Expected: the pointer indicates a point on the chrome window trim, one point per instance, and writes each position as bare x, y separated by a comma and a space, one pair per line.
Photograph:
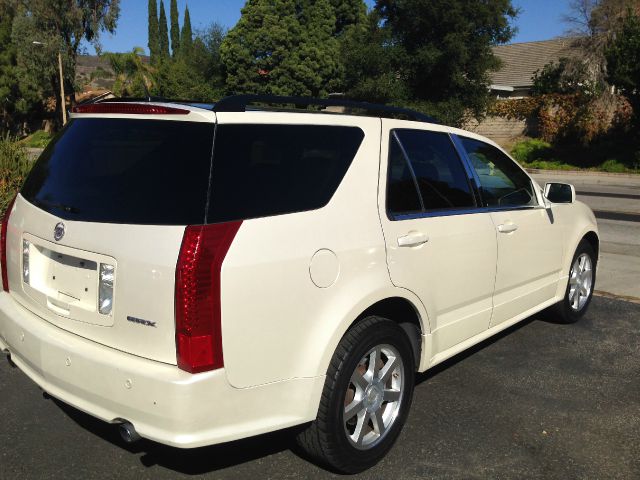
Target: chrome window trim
464, 211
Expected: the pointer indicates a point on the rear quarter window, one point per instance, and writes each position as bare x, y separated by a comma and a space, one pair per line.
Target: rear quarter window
263, 170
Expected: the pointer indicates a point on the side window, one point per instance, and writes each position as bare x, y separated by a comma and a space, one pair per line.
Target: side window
266, 170
502, 182
434, 166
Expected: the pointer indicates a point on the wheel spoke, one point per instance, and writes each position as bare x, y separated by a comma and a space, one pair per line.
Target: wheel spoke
391, 395
358, 433
388, 369
354, 408
576, 300
359, 381
374, 359
378, 422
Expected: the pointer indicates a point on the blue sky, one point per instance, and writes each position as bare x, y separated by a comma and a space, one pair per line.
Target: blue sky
538, 20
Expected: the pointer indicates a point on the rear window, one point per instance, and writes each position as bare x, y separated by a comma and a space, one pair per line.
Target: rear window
125, 171
263, 170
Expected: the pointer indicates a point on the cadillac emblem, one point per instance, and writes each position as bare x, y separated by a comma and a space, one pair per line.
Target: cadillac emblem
58, 231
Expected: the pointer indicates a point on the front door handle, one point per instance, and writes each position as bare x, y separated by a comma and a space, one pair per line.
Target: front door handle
412, 239
507, 227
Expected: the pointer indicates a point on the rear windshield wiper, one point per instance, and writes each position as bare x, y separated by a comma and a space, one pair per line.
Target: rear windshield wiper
59, 206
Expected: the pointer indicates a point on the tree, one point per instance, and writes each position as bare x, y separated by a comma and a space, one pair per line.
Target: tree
163, 33
59, 26
133, 77
175, 28
283, 47
154, 33
623, 60
441, 50
8, 85
566, 76
186, 38
198, 75
348, 12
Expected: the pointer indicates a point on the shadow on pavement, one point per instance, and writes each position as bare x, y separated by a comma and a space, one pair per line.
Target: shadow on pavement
218, 457
192, 461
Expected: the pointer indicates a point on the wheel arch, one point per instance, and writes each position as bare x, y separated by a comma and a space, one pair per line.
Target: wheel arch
396, 304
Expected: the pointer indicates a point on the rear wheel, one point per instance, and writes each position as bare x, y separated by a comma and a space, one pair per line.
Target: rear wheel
582, 278
366, 397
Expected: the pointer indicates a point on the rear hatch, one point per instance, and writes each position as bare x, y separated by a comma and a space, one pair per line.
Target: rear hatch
96, 231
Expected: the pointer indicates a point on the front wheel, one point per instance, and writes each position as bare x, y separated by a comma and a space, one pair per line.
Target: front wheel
366, 397
582, 279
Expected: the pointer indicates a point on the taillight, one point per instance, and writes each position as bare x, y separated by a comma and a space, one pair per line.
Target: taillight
3, 245
197, 297
129, 108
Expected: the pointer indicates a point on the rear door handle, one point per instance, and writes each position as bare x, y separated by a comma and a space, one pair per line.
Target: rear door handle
412, 239
507, 227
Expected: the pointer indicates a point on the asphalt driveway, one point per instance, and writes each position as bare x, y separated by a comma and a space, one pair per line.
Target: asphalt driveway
541, 400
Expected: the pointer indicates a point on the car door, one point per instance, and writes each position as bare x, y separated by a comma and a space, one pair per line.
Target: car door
529, 240
438, 243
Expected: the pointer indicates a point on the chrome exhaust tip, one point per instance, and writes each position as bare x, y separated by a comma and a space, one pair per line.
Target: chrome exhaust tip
128, 432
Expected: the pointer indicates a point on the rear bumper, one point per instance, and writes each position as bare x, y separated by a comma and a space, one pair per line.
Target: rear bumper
164, 403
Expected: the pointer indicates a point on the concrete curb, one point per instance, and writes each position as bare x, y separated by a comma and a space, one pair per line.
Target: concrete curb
538, 171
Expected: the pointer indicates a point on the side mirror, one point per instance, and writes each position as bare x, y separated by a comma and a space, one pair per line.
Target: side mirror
560, 192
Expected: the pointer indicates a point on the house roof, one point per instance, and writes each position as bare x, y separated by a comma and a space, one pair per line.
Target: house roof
521, 60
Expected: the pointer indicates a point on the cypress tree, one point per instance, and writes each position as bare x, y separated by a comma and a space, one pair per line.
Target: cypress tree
154, 41
175, 28
164, 33
186, 39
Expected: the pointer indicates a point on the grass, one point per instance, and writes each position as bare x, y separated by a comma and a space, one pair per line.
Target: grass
38, 139
612, 156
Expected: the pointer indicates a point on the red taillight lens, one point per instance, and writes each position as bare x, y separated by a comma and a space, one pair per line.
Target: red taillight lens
129, 108
3, 245
198, 305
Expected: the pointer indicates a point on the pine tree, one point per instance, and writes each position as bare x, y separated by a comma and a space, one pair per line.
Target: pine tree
348, 12
154, 41
175, 28
186, 39
283, 47
163, 33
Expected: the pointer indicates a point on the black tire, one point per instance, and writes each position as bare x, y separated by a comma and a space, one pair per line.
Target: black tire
328, 439
564, 311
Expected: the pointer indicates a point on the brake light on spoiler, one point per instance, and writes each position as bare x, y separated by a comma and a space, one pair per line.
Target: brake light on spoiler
197, 297
128, 109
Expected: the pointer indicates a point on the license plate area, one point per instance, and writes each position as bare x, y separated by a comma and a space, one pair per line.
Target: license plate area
64, 280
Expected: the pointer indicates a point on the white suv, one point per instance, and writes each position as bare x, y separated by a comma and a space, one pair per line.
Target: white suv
198, 274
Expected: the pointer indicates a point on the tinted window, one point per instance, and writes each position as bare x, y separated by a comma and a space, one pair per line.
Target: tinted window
262, 170
502, 182
402, 193
125, 171
442, 180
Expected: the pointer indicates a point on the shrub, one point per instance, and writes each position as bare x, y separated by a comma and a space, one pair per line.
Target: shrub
614, 166
531, 150
15, 164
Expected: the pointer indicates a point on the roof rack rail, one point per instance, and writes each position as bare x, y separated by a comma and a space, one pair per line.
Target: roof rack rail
238, 103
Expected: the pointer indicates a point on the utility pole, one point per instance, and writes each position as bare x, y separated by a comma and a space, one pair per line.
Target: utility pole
64, 103
62, 99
